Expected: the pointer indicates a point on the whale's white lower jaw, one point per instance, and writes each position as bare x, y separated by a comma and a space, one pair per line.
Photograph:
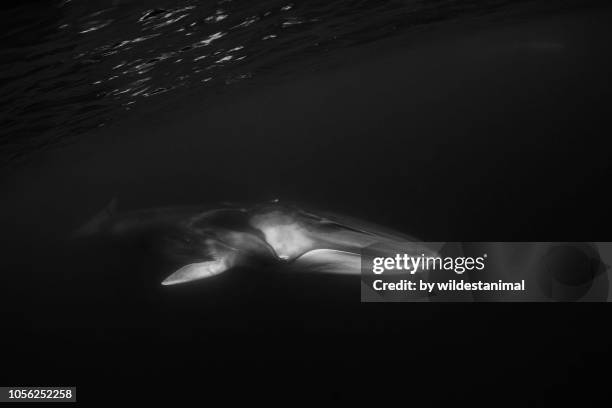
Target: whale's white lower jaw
317, 260
329, 261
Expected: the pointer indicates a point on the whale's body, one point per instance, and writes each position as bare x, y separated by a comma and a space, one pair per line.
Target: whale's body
211, 241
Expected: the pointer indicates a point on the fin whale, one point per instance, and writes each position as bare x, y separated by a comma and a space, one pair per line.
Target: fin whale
210, 241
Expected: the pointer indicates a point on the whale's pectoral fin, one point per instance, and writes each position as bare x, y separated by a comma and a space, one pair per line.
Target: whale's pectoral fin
329, 261
199, 270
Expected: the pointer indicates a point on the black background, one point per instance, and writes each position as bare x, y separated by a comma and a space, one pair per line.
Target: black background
455, 139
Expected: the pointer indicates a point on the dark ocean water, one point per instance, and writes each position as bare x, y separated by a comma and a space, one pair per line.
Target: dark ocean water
446, 120
67, 67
